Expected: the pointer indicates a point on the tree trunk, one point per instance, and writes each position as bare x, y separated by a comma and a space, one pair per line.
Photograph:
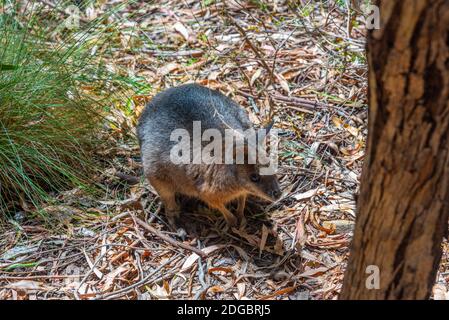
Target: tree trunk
404, 198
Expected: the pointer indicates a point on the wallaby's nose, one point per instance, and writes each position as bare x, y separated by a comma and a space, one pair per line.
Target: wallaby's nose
276, 194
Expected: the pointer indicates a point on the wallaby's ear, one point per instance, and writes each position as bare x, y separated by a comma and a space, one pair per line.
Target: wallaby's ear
261, 139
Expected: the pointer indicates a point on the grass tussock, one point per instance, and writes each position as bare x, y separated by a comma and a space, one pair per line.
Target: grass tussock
53, 91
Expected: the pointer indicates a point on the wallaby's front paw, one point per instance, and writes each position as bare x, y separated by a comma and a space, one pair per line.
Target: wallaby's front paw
231, 221
172, 216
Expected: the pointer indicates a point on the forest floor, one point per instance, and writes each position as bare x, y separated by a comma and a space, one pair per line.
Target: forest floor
305, 69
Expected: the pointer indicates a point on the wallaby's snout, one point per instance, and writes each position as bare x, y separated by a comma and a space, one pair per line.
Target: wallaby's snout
275, 191
265, 187
270, 187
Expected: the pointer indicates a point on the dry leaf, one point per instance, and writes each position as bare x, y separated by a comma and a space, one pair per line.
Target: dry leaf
190, 261
159, 292
301, 236
263, 239
251, 238
167, 287
223, 269
111, 276
216, 289
97, 272
313, 272
241, 252
339, 226
337, 122
283, 83
352, 130
255, 76
278, 293
179, 27
440, 292
25, 285
308, 194
241, 289
168, 68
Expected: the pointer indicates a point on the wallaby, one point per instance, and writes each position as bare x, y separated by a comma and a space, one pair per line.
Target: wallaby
216, 184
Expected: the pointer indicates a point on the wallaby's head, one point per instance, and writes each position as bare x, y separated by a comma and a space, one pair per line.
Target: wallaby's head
262, 186
249, 173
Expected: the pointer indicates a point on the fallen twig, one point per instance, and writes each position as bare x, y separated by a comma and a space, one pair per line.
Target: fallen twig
144, 281
127, 178
167, 238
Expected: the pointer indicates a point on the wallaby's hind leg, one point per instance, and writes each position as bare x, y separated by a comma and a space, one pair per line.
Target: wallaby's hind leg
167, 194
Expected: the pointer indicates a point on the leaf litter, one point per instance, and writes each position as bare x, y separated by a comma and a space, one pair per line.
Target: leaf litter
305, 72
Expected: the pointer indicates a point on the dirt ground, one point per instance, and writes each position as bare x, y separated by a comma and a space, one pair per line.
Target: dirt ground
304, 68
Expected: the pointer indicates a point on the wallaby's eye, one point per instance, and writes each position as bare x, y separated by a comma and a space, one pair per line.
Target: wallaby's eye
255, 177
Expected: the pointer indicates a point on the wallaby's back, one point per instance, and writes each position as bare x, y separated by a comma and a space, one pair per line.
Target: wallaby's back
178, 108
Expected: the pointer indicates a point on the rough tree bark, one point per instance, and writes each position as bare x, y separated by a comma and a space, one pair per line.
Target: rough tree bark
403, 204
